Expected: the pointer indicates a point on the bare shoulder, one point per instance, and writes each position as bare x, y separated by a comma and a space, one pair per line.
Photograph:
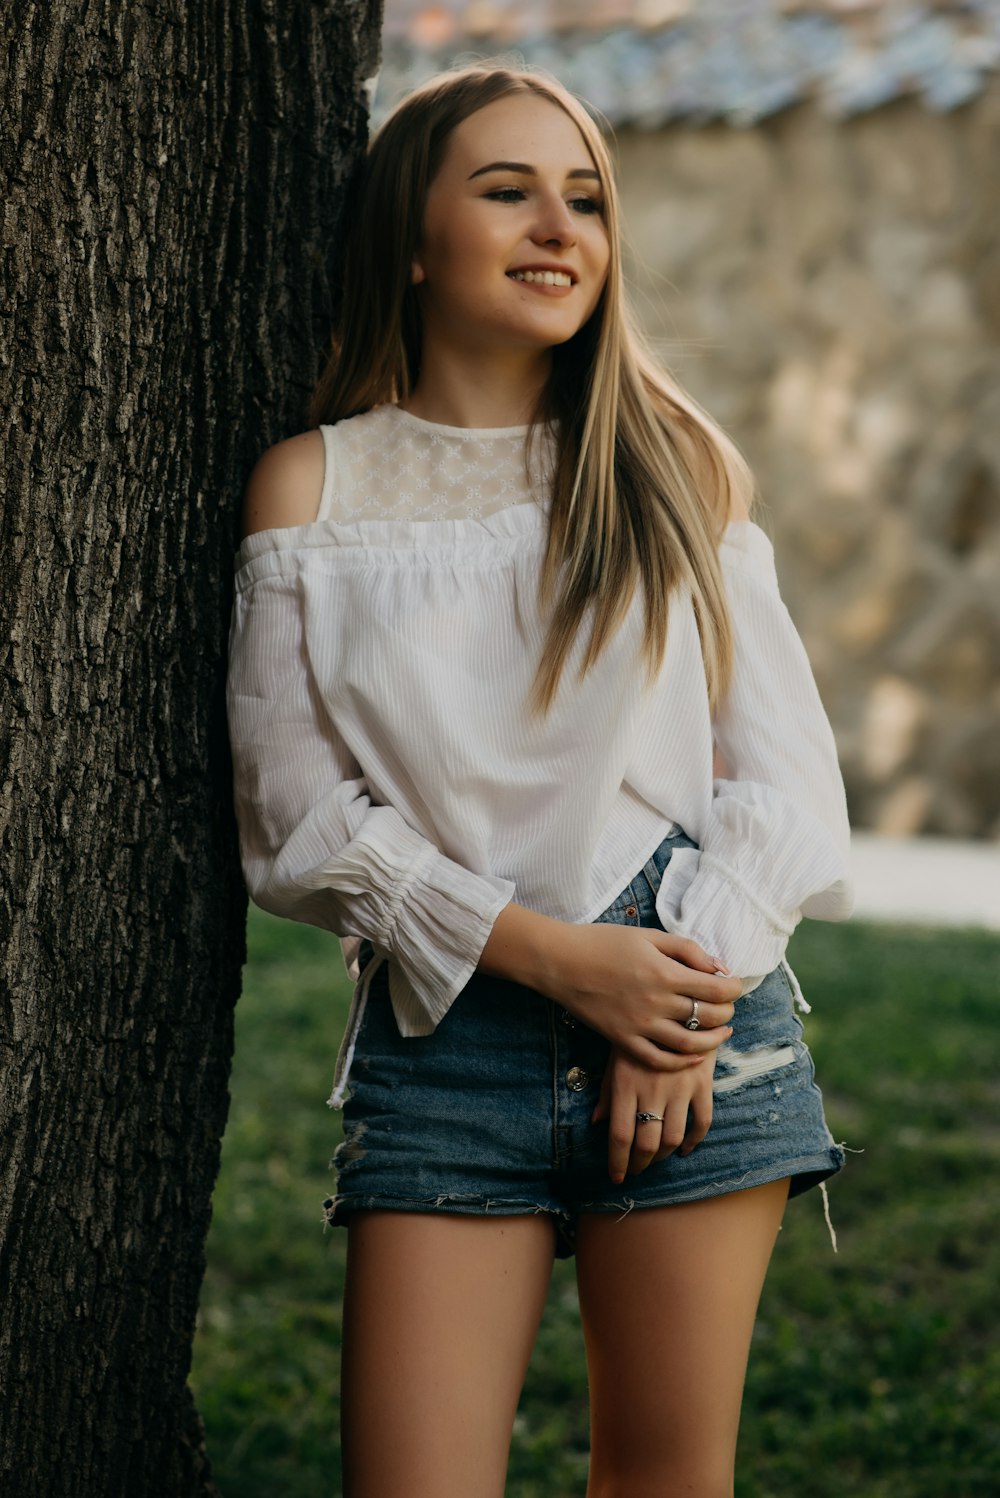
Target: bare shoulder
286, 484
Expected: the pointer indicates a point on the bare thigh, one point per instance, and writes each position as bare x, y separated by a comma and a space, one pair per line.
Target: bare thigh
668, 1297
440, 1315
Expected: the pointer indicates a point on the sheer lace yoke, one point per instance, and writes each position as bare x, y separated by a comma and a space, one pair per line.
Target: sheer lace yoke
388, 465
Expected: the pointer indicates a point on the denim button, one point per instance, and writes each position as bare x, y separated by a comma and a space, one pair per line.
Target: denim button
568, 1019
576, 1079
631, 912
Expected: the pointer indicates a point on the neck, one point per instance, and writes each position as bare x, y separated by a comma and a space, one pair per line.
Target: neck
462, 391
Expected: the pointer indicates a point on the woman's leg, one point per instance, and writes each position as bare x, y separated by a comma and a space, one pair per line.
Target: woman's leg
440, 1315
668, 1297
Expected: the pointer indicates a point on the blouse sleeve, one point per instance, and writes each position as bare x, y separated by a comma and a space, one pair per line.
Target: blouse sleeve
314, 845
776, 845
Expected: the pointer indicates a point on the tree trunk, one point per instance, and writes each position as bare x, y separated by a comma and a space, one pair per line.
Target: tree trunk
169, 174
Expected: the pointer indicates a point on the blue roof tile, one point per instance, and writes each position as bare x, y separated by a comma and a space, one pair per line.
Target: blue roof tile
732, 60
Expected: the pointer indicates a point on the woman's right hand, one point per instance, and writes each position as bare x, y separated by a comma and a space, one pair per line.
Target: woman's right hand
633, 984
636, 985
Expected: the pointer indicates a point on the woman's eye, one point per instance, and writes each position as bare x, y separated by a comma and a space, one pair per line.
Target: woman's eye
585, 205
507, 194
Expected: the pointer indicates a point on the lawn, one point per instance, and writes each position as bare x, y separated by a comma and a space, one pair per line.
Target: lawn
875, 1372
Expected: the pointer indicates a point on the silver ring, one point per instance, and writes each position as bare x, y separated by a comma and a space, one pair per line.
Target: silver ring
693, 1023
649, 1118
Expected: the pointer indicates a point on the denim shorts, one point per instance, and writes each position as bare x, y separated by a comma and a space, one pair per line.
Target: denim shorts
490, 1114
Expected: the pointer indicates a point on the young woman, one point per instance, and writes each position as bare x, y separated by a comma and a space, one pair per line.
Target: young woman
494, 618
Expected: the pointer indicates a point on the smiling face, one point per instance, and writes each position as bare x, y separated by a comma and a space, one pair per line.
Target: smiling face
514, 250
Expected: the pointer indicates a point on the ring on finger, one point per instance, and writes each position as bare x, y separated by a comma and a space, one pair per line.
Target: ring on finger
693, 1022
649, 1118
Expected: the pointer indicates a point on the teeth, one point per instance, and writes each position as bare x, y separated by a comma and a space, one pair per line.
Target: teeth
542, 277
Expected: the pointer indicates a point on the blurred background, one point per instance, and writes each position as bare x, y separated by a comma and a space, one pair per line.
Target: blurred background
811, 198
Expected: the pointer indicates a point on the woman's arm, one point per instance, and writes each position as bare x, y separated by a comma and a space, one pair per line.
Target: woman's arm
315, 846
634, 985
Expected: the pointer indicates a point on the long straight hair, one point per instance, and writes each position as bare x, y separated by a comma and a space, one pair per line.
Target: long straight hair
644, 479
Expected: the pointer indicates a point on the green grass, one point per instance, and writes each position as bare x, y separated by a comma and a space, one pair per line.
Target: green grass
874, 1373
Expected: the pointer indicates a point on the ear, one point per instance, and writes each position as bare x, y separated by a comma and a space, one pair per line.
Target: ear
417, 273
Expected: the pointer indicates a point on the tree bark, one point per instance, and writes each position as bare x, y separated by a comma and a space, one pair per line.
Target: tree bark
170, 172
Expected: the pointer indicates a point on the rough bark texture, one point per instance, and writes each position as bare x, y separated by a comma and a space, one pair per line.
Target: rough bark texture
169, 176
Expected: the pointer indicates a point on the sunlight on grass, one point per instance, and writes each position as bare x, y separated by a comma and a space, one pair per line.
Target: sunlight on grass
875, 1373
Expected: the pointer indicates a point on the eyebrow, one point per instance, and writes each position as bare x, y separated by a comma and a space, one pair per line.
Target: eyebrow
529, 171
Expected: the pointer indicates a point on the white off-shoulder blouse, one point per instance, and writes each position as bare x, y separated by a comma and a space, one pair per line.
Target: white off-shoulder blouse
392, 784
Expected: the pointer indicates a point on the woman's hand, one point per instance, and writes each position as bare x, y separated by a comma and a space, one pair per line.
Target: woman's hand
684, 1099
638, 987
635, 985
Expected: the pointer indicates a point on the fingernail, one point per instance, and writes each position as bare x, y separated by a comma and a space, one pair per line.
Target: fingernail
720, 967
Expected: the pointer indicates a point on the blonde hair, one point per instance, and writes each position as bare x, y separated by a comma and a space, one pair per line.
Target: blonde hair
644, 479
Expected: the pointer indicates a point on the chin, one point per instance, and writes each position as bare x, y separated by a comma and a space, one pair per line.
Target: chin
544, 332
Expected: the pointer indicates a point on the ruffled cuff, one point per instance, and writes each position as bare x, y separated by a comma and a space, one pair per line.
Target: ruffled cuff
427, 914
763, 867
699, 899
437, 937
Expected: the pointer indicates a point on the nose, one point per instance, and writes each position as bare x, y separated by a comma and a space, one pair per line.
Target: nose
555, 223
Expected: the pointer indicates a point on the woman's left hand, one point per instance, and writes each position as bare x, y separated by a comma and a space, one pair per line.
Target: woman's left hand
684, 1098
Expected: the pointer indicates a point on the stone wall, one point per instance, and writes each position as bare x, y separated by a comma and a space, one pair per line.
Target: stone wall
830, 291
